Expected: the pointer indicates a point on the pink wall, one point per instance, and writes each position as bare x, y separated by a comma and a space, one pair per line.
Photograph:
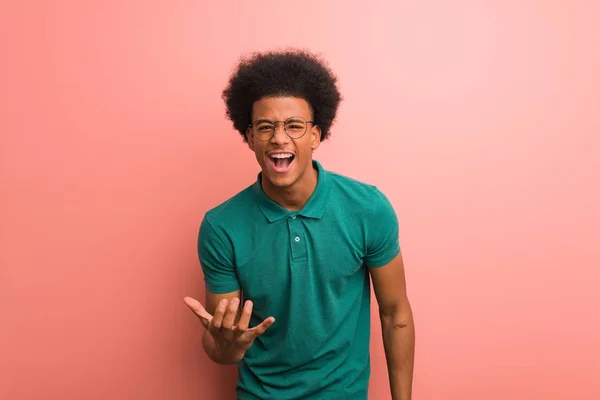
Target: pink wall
480, 122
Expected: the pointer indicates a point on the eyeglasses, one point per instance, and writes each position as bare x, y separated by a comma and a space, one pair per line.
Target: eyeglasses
294, 127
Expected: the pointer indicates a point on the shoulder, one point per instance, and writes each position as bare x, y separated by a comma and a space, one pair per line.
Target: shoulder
362, 195
232, 210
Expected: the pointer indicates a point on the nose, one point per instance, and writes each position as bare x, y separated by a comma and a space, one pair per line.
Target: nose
279, 136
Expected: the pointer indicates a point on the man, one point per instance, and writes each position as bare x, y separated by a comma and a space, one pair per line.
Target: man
287, 261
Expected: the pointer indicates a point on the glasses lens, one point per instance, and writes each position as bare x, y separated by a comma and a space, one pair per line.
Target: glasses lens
263, 130
295, 127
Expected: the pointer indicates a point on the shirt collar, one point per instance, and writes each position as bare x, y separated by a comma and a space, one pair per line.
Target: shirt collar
314, 207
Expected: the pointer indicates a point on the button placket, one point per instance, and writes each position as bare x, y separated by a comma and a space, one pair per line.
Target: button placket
296, 230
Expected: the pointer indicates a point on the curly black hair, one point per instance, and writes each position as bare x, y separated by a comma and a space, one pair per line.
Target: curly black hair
290, 72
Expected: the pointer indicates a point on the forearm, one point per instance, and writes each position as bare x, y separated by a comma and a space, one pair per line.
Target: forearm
399, 345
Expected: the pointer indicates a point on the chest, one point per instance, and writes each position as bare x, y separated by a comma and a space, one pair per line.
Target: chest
299, 255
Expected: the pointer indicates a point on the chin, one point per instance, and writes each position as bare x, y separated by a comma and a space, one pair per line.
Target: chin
282, 182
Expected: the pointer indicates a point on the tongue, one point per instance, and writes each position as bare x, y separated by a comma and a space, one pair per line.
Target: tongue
282, 162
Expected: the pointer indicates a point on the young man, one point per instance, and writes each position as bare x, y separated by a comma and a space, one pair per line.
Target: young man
287, 261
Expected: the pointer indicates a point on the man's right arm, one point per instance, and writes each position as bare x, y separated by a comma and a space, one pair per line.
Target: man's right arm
225, 318
216, 260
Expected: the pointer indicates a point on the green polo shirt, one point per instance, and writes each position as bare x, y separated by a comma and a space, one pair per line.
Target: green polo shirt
308, 270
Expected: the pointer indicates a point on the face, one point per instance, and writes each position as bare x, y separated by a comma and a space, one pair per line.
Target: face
284, 161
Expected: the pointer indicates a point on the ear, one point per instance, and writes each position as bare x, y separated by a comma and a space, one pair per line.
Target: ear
315, 137
250, 138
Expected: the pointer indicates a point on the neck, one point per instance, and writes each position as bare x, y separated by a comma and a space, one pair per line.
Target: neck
292, 198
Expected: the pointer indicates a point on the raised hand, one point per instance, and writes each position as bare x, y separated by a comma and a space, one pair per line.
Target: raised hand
231, 340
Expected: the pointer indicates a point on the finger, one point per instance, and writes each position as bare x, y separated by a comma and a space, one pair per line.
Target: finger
200, 312
217, 320
197, 308
245, 317
260, 329
231, 313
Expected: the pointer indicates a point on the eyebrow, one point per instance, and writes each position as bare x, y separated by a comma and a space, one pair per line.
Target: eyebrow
262, 120
294, 118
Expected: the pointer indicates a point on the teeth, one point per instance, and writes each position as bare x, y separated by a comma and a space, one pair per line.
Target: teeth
281, 155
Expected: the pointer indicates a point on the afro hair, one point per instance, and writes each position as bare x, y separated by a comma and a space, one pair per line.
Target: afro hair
294, 73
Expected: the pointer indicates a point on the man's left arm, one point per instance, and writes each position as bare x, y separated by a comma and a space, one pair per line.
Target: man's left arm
384, 258
397, 325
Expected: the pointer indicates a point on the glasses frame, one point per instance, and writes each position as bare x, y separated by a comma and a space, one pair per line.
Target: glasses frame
252, 125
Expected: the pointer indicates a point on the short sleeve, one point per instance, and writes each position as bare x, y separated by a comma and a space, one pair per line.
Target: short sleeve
383, 242
216, 259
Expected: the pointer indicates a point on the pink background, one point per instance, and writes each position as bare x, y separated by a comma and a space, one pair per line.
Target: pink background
479, 119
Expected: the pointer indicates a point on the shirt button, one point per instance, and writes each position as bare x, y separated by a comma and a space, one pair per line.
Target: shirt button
297, 239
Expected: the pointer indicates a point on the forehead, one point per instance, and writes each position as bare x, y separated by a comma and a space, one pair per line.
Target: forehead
280, 108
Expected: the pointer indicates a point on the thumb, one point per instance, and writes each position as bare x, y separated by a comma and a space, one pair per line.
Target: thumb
197, 308
260, 329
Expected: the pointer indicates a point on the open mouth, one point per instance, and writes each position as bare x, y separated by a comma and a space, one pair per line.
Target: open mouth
281, 161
